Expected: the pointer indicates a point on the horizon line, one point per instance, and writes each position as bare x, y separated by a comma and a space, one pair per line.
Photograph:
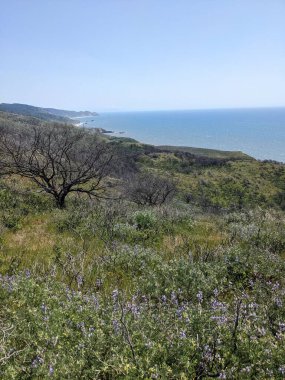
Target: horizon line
191, 109
153, 110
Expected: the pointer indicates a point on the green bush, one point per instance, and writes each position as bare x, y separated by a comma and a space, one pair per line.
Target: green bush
145, 219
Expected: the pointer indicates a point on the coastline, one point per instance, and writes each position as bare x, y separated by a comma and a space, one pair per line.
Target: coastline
259, 133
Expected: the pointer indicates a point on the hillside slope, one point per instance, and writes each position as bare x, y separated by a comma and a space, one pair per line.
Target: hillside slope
49, 114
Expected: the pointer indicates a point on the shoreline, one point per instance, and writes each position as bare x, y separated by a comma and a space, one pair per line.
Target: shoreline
258, 134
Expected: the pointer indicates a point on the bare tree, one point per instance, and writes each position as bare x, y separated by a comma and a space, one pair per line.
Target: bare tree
60, 159
149, 189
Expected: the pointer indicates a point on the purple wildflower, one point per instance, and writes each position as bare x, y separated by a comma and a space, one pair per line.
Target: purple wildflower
115, 295
116, 326
79, 280
200, 296
278, 302
281, 369
51, 370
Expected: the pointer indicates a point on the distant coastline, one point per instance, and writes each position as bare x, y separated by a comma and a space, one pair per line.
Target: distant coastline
258, 132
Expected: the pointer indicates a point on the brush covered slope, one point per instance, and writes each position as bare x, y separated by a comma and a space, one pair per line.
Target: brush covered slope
135, 286
48, 114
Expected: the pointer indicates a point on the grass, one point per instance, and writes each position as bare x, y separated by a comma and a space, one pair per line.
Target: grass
193, 289
211, 153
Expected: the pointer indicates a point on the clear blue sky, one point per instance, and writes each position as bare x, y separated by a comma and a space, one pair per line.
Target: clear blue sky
142, 54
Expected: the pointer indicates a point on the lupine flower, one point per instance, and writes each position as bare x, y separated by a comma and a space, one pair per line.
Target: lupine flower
217, 305
220, 319
79, 280
44, 308
278, 302
37, 361
281, 369
282, 326
179, 311
174, 298
116, 326
207, 353
51, 370
91, 331
95, 300
28, 273
115, 295
200, 296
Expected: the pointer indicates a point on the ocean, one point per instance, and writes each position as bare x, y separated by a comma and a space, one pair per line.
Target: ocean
257, 132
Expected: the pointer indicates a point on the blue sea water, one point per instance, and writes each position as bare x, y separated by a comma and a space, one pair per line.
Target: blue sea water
257, 132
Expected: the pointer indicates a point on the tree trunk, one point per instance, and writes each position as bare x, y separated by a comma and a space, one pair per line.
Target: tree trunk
60, 201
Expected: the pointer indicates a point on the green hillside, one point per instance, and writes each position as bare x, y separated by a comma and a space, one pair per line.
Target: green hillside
47, 114
161, 263
213, 153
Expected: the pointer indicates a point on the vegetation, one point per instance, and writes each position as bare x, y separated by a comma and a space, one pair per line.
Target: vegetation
212, 153
59, 159
147, 189
47, 114
189, 288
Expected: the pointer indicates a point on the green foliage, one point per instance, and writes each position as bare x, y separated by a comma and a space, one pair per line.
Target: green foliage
112, 290
177, 320
144, 220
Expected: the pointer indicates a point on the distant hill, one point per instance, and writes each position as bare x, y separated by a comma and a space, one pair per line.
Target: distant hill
205, 152
71, 114
48, 114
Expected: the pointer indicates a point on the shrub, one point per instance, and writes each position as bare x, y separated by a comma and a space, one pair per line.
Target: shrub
145, 219
149, 189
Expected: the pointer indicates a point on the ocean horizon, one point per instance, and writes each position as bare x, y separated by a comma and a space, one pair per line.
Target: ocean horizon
258, 132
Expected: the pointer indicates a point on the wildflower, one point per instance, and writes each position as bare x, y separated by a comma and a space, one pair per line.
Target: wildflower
200, 296
174, 298
81, 326
51, 370
95, 301
44, 308
115, 295
222, 375
116, 326
278, 302
179, 311
79, 280
37, 361
217, 305
282, 326
91, 330
134, 310
281, 369
219, 319
27, 273
207, 353
144, 299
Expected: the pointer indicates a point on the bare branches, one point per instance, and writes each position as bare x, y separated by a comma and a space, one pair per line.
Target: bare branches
58, 158
148, 189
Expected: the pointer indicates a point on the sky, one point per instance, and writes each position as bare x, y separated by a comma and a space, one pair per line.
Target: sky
126, 55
